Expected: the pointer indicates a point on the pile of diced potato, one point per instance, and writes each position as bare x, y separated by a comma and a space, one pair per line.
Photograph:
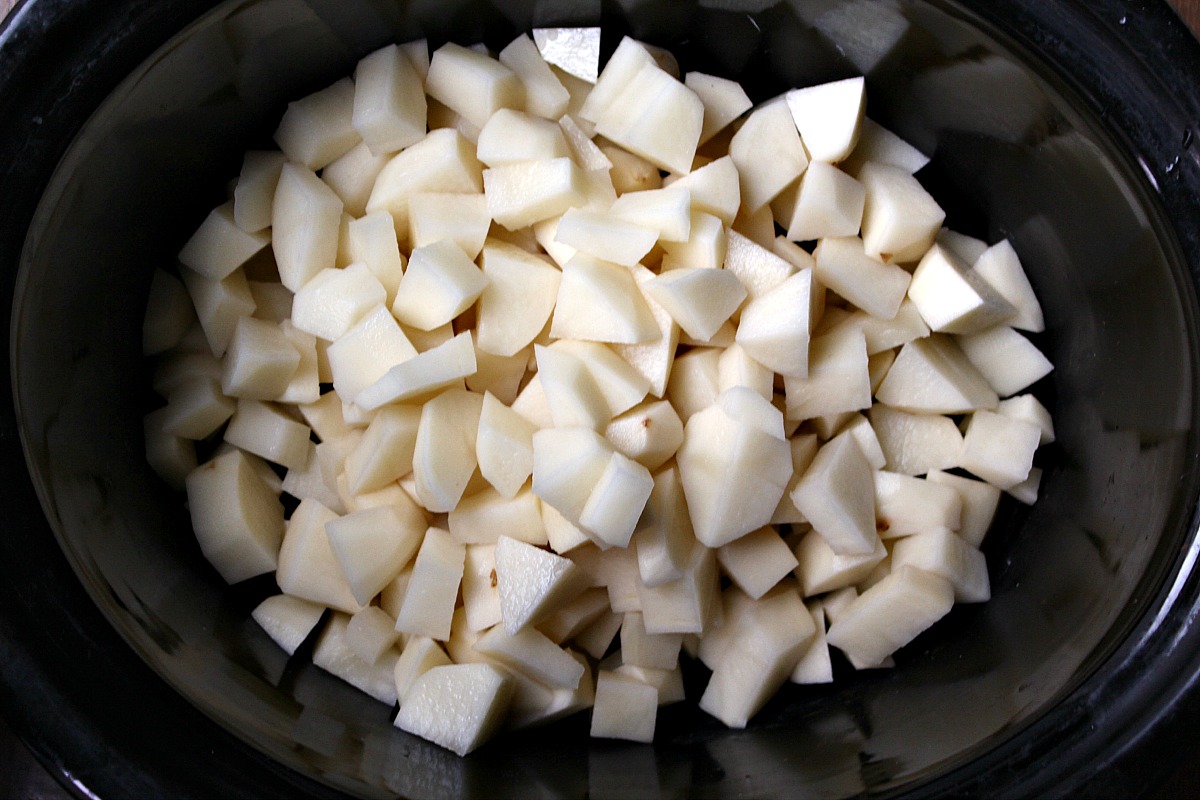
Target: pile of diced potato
518, 343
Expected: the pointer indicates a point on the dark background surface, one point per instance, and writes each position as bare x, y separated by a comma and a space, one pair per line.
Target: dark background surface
23, 778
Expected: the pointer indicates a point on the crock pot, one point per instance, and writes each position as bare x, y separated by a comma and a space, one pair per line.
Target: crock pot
1068, 126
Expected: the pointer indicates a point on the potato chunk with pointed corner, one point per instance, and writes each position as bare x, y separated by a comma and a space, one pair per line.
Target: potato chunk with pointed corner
601, 302
767, 643
444, 454
532, 582
517, 301
768, 154
389, 107
428, 606
372, 545
457, 706
287, 620
306, 218
891, 614
473, 84
837, 495
237, 518
733, 468
829, 116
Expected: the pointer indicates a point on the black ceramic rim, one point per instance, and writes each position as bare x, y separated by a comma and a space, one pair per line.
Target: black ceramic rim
83, 700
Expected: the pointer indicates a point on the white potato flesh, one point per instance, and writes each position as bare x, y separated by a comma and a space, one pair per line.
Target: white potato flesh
219, 305
437, 368
733, 472
656, 117
952, 297
254, 194
1000, 266
374, 544
352, 177
649, 433
419, 655
819, 569
757, 561
266, 431
828, 117
260, 361
1028, 408
567, 463
946, 554
625, 708
472, 84
1008, 360
768, 154
317, 129
622, 65
287, 620
664, 536
715, 189
933, 376
699, 300
482, 517
389, 109
775, 327
648, 650
705, 248
844, 266
460, 217
480, 595
767, 643
521, 194
306, 218
825, 202
308, 567
530, 653
838, 379
900, 218
504, 446
877, 143
334, 299
511, 136
440, 283
237, 518
579, 384
366, 352
444, 454
724, 101
891, 614
443, 161
906, 505
457, 706
372, 241
333, 654
837, 495
601, 302
428, 606
604, 236
371, 633
532, 582
667, 211
545, 95
615, 503
999, 449
219, 246
914, 444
